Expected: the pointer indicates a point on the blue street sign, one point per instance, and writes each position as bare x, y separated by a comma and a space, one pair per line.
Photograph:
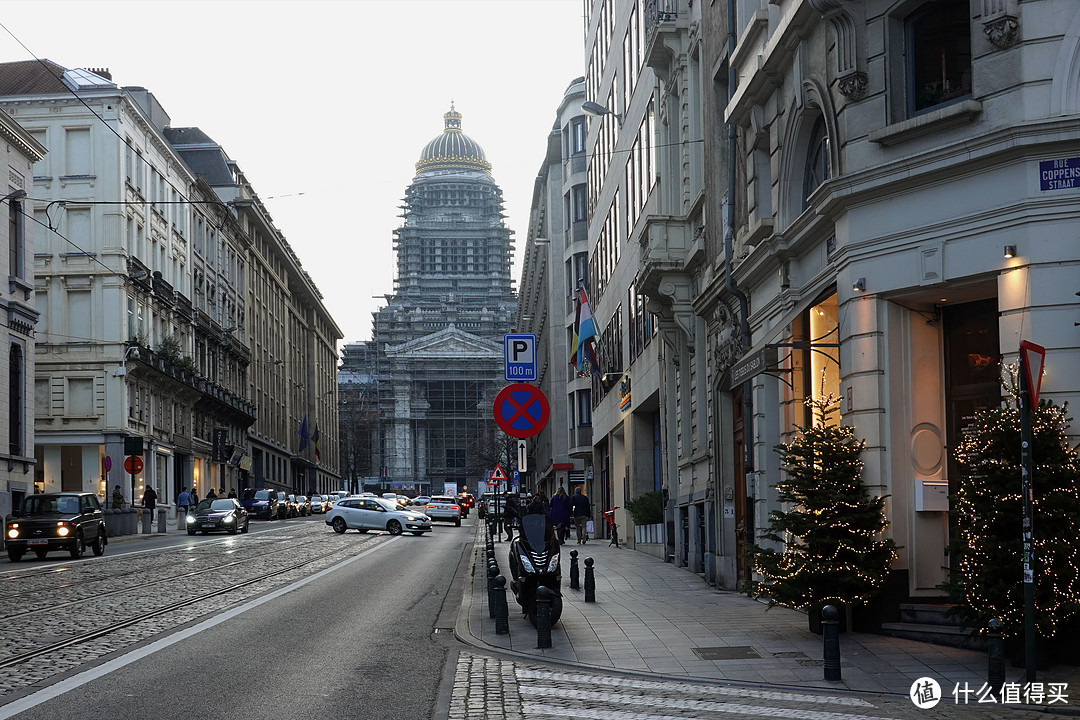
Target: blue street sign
519, 351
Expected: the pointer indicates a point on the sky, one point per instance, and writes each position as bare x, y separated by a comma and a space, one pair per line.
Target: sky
326, 104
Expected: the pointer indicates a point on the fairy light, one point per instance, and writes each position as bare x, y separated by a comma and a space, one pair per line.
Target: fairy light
831, 536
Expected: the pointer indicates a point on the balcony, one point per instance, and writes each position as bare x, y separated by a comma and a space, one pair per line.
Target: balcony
665, 247
581, 442
661, 17
162, 289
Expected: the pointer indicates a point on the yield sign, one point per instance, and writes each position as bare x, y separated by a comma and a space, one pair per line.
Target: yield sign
1032, 357
521, 410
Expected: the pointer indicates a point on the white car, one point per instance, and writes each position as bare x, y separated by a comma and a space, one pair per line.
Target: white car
421, 500
363, 514
444, 507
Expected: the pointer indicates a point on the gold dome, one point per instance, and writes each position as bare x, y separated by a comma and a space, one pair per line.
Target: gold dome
453, 150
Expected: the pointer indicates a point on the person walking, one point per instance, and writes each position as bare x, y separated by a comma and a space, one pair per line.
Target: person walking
210, 494
538, 504
560, 513
510, 514
582, 511
183, 506
118, 498
149, 500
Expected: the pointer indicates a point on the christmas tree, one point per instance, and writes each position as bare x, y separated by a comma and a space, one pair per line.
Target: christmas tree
832, 551
987, 569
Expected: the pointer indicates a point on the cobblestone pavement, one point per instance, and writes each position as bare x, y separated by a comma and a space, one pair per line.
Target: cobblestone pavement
494, 688
143, 595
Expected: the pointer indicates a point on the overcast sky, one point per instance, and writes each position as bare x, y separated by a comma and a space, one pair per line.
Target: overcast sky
326, 105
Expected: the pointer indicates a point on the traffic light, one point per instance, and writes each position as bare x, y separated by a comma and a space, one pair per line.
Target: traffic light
133, 445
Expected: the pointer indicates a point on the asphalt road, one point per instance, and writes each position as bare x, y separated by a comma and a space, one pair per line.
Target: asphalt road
358, 640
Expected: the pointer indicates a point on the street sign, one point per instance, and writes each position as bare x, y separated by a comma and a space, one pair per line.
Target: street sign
523, 458
519, 351
521, 410
133, 464
1032, 358
498, 475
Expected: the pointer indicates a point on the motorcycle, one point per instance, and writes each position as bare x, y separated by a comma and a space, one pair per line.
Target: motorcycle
534, 562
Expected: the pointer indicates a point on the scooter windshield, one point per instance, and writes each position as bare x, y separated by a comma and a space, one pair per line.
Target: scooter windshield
533, 527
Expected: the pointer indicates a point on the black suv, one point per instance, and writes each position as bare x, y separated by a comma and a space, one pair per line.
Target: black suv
261, 503
57, 521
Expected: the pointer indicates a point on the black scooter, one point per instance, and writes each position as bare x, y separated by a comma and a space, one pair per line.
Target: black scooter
534, 562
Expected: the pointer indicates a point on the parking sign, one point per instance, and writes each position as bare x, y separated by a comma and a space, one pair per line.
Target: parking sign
519, 351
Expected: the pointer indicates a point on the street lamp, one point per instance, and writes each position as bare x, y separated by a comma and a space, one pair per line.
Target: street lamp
133, 353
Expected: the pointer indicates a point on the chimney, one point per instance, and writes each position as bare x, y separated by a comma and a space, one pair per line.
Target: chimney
102, 72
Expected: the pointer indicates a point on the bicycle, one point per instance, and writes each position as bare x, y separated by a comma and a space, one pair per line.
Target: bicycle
609, 515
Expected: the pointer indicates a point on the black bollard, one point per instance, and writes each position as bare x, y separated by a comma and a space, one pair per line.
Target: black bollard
543, 617
574, 584
995, 675
493, 572
830, 633
590, 581
502, 610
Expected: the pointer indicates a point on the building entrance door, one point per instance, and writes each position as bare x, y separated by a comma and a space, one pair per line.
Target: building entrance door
739, 479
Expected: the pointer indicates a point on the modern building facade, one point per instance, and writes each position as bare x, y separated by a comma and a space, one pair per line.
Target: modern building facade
18, 154
143, 287
438, 358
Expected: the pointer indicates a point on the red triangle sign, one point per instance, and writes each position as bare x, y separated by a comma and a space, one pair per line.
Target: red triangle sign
498, 475
1032, 357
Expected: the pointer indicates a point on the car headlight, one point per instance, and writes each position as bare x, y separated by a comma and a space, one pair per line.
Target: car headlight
190, 519
228, 519
13, 531
62, 530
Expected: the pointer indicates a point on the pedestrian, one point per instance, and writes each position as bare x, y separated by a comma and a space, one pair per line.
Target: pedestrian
538, 505
510, 514
559, 510
210, 494
232, 492
581, 510
149, 500
194, 497
183, 506
117, 498
221, 492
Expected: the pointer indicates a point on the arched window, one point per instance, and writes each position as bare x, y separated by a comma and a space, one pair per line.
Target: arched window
817, 160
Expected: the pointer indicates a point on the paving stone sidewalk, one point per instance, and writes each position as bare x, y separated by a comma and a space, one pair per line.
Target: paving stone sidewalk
653, 617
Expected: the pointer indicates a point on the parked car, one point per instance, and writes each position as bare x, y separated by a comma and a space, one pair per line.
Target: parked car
365, 514
286, 508
220, 515
303, 505
319, 504
56, 521
261, 503
444, 507
421, 500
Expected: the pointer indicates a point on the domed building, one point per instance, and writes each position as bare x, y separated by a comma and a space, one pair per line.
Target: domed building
437, 361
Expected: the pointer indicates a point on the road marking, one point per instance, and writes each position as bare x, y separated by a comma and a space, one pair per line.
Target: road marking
75, 681
633, 684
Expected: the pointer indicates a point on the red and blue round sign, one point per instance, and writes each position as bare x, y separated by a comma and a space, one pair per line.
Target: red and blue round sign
521, 410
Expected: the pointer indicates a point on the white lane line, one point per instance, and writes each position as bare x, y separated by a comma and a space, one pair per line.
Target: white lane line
34, 699
611, 700
578, 679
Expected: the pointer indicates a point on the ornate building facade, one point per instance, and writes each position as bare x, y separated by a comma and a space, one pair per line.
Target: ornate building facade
438, 360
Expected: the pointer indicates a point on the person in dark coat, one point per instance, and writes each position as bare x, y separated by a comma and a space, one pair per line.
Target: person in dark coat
582, 511
149, 500
511, 512
538, 504
560, 513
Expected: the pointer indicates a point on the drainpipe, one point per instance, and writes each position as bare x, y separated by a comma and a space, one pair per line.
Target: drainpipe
744, 304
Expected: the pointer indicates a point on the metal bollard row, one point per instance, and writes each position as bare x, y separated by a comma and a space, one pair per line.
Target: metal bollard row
574, 584
830, 634
590, 581
543, 617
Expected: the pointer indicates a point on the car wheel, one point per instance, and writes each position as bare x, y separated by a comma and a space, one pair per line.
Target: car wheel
14, 555
77, 547
40, 553
339, 525
393, 527
457, 523
99, 544
246, 527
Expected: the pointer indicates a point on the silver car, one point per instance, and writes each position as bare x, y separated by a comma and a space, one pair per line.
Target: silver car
444, 507
363, 514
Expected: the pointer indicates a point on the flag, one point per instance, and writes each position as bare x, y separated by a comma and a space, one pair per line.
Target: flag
585, 333
315, 441
574, 337
303, 432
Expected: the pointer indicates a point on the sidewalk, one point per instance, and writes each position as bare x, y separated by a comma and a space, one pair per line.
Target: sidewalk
653, 617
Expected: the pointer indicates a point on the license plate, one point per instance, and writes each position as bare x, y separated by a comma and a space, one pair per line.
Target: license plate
208, 525
37, 542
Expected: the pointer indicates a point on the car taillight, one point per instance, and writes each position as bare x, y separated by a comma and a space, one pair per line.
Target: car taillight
454, 507
429, 506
